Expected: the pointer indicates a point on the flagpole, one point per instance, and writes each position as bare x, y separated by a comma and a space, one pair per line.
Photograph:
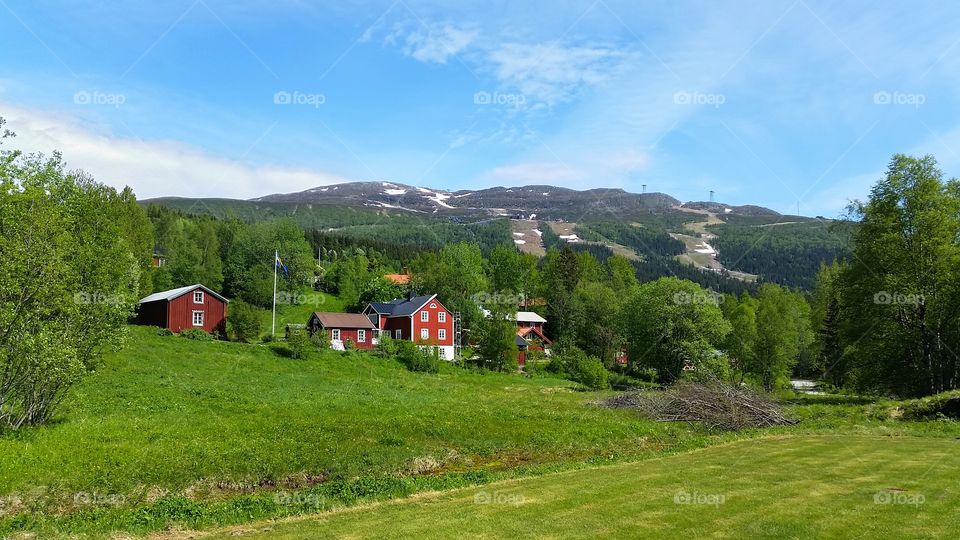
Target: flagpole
273, 324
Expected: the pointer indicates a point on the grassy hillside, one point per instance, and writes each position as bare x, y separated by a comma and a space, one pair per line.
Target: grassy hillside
793, 487
170, 423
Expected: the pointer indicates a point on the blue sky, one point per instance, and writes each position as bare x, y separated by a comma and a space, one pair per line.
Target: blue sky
775, 103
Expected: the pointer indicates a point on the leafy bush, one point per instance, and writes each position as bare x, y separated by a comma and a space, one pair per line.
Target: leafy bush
387, 347
570, 361
196, 334
320, 339
417, 359
945, 405
164, 332
243, 321
299, 344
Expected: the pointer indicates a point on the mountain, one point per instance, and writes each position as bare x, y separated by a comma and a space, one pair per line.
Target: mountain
546, 202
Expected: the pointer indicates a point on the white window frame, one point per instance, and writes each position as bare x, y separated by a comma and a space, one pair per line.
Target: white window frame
361, 336
424, 316
442, 334
197, 294
194, 320
335, 334
425, 334
433, 306
397, 334
442, 316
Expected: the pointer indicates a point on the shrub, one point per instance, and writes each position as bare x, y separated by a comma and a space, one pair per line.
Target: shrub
243, 321
388, 347
299, 344
417, 359
196, 334
570, 361
320, 339
163, 332
945, 405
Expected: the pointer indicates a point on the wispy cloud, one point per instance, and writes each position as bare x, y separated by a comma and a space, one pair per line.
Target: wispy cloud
153, 168
553, 72
437, 45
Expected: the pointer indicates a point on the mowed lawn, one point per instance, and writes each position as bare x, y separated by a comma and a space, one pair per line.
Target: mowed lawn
805, 486
216, 421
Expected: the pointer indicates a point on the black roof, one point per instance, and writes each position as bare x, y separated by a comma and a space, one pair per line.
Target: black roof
401, 307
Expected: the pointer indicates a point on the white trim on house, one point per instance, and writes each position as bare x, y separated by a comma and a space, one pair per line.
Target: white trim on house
198, 321
425, 334
197, 294
361, 335
335, 334
442, 334
424, 316
441, 316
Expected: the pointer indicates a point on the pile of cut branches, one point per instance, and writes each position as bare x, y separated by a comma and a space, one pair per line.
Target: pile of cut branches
717, 405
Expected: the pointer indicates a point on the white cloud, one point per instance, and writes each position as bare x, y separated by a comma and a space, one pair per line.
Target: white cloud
438, 44
551, 72
153, 168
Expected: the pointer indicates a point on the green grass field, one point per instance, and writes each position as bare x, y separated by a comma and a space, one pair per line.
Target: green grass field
177, 434
178, 431
831, 486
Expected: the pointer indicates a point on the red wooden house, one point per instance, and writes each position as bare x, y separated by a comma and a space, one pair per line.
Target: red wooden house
342, 328
421, 319
193, 306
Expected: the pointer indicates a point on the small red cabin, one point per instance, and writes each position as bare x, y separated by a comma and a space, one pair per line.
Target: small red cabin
193, 306
344, 327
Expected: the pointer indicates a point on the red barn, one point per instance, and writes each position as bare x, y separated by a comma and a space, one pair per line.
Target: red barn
343, 327
421, 319
193, 306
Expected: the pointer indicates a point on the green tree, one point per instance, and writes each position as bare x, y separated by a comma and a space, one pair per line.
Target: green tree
498, 335
741, 343
244, 321
670, 323
783, 335
70, 263
899, 297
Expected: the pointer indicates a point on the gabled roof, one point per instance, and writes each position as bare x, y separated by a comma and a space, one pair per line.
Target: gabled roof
524, 332
178, 292
529, 317
521, 316
401, 307
343, 320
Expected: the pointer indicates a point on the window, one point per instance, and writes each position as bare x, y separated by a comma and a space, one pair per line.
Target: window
198, 318
424, 333
442, 316
198, 297
433, 306
442, 334
336, 334
361, 335
397, 334
424, 316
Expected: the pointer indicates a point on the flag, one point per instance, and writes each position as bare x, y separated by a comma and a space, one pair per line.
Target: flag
280, 265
